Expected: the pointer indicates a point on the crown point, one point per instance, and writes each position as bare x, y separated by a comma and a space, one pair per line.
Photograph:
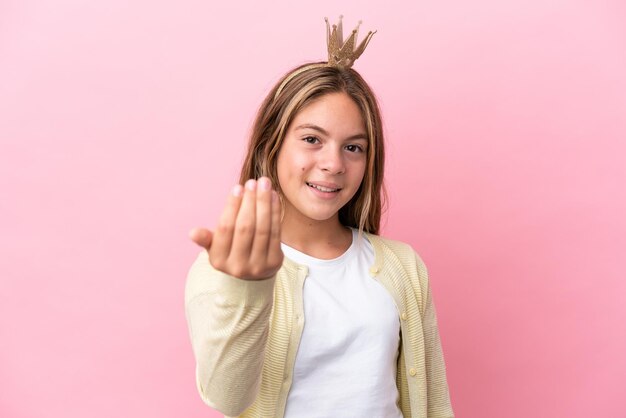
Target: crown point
340, 53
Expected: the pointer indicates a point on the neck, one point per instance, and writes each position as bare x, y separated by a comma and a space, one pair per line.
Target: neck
325, 239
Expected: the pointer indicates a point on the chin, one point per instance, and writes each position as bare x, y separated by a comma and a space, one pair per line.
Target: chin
318, 215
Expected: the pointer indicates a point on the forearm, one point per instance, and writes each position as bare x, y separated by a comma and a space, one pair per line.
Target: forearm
439, 404
228, 322
438, 395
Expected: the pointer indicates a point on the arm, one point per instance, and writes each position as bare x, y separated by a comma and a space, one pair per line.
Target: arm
228, 300
438, 395
228, 321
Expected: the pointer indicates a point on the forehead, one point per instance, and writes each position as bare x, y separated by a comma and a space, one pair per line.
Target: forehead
332, 110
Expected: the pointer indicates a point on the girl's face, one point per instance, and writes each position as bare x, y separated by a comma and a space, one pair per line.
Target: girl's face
322, 160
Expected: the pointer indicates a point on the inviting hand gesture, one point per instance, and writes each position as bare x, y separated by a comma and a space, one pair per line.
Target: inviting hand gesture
246, 242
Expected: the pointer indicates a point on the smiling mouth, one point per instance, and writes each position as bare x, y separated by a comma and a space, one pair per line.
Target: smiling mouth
322, 189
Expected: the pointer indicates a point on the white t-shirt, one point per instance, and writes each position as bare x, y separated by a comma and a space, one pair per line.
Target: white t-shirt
346, 360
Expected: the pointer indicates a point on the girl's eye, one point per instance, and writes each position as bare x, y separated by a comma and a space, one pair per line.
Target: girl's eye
354, 148
310, 140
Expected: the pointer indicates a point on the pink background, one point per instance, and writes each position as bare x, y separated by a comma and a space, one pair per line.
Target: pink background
123, 124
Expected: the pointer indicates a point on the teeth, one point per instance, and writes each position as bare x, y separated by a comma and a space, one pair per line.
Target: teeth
322, 189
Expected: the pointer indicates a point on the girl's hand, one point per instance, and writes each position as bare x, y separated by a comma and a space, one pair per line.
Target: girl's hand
246, 242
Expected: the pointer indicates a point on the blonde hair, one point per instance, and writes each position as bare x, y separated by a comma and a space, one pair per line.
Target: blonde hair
294, 91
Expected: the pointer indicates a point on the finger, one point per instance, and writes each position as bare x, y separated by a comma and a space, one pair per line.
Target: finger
275, 253
202, 237
223, 237
258, 254
244, 225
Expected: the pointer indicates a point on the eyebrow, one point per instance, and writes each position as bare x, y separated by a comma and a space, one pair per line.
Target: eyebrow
324, 132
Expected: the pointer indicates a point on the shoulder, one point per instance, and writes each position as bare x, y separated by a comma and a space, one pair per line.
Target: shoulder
391, 248
399, 259
393, 245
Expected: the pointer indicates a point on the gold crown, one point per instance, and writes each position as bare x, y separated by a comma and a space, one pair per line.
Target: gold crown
343, 54
340, 54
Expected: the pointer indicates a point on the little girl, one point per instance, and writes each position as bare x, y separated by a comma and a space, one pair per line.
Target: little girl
296, 307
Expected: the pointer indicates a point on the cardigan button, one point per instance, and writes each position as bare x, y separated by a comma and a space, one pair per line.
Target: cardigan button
404, 316
412, 371
374, 270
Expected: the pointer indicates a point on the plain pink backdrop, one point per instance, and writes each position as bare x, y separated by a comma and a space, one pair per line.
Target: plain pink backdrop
123, 125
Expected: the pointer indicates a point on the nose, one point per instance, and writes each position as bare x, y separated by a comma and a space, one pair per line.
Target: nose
332, 161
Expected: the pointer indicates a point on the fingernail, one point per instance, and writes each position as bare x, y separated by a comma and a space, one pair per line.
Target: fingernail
264, 183
251, 184
237, 190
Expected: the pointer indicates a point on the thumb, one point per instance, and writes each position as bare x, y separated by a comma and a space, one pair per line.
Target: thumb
202, 237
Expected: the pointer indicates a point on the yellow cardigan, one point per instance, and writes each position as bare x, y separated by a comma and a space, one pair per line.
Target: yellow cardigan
245, 335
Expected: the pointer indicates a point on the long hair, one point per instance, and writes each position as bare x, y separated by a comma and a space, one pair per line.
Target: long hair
294, 91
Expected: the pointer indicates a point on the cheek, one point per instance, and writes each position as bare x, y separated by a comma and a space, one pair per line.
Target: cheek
281, 173
359, 171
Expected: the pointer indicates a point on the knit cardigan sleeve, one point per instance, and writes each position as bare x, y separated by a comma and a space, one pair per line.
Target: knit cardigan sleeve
228, 320
439, 405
